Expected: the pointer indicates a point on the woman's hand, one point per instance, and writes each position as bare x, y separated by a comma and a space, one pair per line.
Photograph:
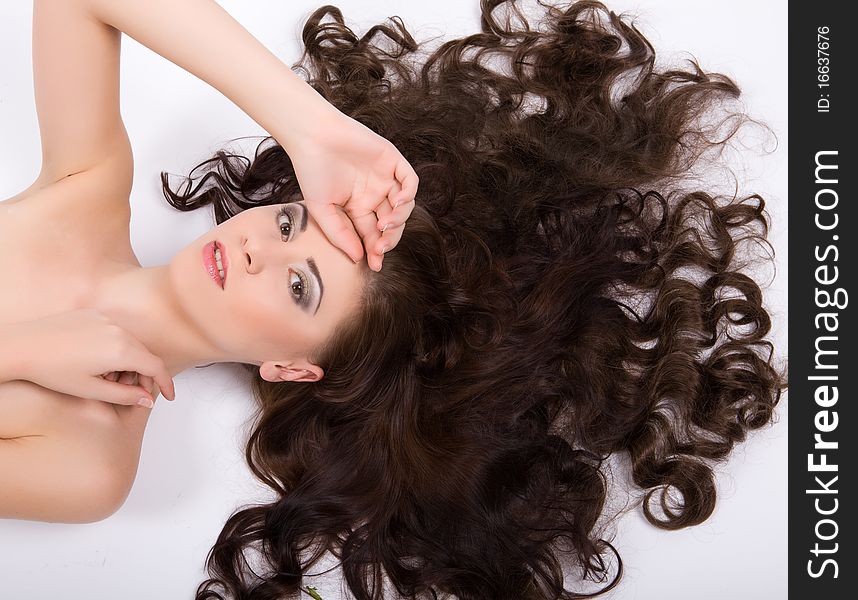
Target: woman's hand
354, 182
83, 353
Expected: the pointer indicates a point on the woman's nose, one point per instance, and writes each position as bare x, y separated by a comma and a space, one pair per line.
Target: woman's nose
253, 255
259, 253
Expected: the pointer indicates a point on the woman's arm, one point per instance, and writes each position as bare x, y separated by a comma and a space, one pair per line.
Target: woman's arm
76, 84
62, 458
355, 182
76, 50
76, 45
75, 353
50, 478
202, 38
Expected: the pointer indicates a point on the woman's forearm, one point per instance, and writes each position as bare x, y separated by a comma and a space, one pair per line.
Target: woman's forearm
203, 39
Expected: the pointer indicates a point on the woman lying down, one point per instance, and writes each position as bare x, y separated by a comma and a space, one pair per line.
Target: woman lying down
441, 372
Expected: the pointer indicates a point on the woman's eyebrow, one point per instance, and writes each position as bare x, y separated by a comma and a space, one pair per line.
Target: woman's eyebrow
303, 224
315, 271
310, 262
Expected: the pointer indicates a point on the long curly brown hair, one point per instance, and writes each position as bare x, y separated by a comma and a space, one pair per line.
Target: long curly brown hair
559, 294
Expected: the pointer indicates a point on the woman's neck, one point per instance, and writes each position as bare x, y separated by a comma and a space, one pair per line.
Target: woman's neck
142, 302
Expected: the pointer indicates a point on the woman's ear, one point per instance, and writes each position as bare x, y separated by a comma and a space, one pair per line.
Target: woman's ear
300, 370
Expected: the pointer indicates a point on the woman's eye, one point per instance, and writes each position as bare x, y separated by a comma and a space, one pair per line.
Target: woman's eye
298, 286
284, 221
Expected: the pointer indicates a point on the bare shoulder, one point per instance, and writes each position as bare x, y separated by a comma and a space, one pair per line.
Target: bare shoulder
92, 205
106, 186
110, 179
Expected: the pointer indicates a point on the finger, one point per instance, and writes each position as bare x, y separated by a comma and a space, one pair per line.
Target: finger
148, 383
112, 376
389, 240
366, 227
385, 207
338, 228
146, 363
384, 210
399, 211
128, 378
409, 181
388, 225
402, 210
120, 393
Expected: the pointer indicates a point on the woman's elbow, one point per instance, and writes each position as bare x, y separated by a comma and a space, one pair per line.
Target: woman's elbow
110, 489
95, 495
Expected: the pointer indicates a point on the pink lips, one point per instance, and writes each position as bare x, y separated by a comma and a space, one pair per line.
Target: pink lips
210, 263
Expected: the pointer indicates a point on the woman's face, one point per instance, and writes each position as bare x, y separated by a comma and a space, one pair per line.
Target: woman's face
285, 287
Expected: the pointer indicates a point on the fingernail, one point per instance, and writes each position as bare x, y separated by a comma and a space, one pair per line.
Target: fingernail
146, 402
396, 204
383, 229
385, 249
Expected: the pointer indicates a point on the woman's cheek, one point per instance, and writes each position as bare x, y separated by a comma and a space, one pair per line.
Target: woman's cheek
250, 310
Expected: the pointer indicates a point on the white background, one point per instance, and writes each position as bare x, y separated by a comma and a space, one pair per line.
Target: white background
192, 473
